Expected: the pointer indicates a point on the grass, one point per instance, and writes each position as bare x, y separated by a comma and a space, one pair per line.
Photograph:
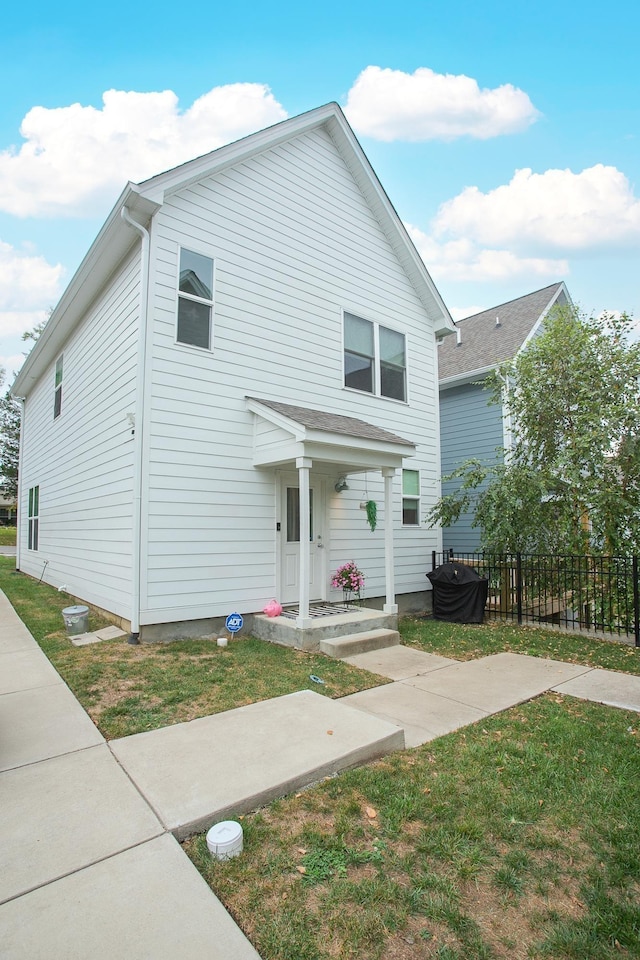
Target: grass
470, 641
7, 536
515, 838
129, 689
518, 837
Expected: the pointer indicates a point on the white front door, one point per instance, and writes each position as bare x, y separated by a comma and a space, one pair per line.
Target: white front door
290, 541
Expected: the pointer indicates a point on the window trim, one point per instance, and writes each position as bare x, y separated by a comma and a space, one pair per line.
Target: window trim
183, 295
57, 386
377, 359
33, 532
412, 497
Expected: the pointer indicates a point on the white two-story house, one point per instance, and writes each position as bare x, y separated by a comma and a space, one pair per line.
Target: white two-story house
245, 356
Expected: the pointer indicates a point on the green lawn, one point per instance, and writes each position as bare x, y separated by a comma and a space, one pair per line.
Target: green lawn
518, 837
128, 689
7, 536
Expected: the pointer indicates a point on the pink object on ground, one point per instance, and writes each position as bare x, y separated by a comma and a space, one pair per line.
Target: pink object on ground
273, 608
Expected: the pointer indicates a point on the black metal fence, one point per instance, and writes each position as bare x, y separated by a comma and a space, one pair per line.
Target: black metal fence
596, 595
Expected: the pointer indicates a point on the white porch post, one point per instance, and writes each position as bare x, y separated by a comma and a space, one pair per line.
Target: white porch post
304, 466
390, 605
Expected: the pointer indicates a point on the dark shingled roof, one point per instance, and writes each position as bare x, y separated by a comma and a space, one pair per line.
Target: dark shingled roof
484, 343
331, 422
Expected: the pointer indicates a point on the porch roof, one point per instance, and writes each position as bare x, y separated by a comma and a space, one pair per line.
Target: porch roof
285, 432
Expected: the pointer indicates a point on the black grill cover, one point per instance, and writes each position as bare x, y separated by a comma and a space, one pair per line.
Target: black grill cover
459, 593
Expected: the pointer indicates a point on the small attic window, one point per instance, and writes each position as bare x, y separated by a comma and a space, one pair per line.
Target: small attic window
195, 299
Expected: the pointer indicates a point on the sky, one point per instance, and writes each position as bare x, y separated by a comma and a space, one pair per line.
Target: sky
506, 135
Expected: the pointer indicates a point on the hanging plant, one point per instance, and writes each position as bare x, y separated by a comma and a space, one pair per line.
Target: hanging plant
372, 513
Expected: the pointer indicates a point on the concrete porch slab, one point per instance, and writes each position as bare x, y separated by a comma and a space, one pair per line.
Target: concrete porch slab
43, 723
209, 769
63, 814
604, 686
497, 682
148, 903
423, 716
286, 631
399, 663
25, 670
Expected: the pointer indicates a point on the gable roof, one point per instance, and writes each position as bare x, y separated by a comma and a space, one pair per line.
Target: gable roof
142, 201
487, 339
330, 422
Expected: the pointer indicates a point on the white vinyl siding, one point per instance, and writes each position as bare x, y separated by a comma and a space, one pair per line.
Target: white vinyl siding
294, 244
84, 460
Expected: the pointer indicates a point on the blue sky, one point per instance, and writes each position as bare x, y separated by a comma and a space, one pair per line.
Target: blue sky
506, 135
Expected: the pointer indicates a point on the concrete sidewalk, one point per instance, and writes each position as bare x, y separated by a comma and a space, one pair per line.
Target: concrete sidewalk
91, 863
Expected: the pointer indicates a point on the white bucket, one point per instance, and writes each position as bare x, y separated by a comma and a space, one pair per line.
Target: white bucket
224, 840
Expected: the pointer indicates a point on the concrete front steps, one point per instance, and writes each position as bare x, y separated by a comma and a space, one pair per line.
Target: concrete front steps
352, 644
357, 621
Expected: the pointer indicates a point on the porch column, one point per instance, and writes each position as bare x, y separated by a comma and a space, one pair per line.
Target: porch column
390, 605
304, 466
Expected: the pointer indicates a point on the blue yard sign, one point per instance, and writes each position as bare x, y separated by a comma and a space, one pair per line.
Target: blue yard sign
234, 622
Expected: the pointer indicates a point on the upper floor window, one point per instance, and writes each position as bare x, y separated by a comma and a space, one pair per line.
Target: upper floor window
57, 396
410, 498
34, 517
374, 358
195, 299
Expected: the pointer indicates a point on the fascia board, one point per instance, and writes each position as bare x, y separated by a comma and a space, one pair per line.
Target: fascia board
552, 302
112, 243
297, 430
462, 378
367, 179
340, 441
210, 164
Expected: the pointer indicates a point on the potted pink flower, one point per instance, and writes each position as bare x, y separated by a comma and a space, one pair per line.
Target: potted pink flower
350, 580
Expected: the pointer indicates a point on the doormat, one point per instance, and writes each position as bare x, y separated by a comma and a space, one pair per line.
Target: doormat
318, 610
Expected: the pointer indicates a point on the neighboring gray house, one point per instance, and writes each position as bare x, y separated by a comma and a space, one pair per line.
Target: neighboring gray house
469, 425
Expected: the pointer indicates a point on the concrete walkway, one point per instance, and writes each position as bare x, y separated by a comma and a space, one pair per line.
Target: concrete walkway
91, 866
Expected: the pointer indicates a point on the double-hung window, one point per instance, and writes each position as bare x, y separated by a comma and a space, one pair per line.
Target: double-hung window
374, 358
57, 395
410, 498
195, 299
34, 517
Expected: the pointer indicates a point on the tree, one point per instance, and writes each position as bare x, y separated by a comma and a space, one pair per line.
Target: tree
10, 426
9, 446
571, 482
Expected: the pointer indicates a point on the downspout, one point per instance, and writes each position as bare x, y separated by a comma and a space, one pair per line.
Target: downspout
19, 490
136, 552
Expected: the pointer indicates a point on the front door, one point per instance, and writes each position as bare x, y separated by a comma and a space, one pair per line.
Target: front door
290, 542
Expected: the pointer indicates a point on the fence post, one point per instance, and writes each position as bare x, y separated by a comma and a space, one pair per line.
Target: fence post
433, 560
519, 585
636, 603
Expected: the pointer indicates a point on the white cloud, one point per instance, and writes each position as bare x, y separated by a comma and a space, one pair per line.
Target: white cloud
465, 260
11, 364
391, 105
76, 159
28, 285
557, 209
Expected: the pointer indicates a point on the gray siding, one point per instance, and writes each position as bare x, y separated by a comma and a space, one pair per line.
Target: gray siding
469, 427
